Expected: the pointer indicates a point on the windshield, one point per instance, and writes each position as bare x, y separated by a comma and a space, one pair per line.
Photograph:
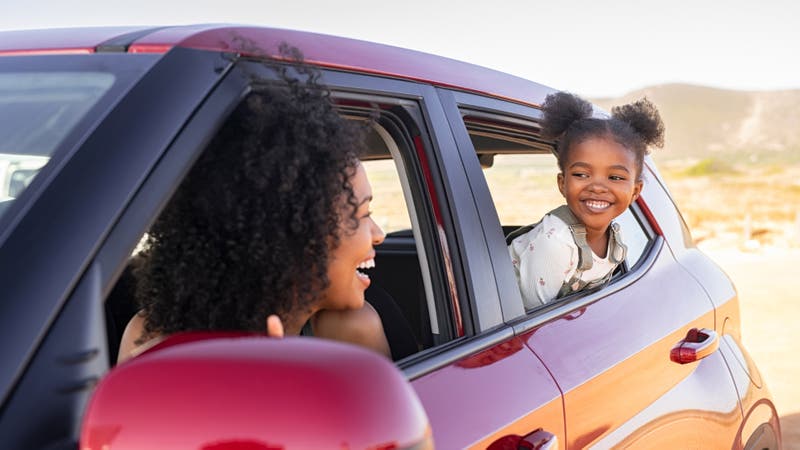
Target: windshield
37, 111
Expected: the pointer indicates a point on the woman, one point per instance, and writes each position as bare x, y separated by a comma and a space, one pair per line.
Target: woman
270, 227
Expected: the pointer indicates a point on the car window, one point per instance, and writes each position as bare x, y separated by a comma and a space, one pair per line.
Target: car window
406, 279
390, 210
520, 169
39, 109
408, 262
635, 235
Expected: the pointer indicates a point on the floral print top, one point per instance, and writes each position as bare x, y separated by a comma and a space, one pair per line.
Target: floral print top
547, 256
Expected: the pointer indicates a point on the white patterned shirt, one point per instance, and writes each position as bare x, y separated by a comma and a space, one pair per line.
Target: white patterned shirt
546, 257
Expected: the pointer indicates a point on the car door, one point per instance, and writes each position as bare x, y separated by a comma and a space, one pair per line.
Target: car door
608, 350
478, 382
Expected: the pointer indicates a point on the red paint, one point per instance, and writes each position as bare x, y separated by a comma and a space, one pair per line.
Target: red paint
52, 51
58, 41
613, 359
500, 392
651, 219
201, 390
323, 50
351, 54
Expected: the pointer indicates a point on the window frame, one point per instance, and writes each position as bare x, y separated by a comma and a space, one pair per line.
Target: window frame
522, 321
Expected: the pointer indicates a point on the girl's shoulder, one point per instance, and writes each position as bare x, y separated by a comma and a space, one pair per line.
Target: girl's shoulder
549, 232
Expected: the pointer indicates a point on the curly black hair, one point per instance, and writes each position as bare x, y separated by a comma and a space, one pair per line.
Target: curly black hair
250, 229
635, 126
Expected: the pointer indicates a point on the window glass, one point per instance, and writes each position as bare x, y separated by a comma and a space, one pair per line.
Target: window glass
38, 110
389, 208
634, 237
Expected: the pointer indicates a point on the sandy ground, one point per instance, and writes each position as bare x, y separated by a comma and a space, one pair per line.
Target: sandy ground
767, 281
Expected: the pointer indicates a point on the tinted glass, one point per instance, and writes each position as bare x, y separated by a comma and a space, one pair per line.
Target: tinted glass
37, 111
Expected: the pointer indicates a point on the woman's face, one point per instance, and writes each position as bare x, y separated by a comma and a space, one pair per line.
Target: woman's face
355, 250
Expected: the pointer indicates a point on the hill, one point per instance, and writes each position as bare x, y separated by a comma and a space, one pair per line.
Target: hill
736, 126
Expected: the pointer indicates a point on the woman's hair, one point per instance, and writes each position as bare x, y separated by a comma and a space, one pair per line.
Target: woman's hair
250, 230
635, 126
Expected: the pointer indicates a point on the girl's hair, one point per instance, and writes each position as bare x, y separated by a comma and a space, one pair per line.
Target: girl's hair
250, 229
635, 126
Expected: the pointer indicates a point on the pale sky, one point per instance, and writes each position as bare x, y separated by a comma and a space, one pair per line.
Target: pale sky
590, 47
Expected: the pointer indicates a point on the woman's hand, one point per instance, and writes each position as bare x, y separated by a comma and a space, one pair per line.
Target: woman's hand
274, 326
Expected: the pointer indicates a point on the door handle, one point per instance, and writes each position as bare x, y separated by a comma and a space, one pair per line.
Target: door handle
538, 440
699, 343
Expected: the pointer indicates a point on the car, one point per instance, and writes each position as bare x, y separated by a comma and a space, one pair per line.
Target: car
101, 124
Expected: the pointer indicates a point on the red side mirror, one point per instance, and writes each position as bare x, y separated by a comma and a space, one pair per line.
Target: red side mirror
215, 392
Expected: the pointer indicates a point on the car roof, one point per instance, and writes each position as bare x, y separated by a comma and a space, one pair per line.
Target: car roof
318, 49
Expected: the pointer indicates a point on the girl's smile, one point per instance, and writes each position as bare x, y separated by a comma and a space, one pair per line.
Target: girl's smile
599, 182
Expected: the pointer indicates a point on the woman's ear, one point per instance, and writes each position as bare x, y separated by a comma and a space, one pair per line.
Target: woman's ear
274, 326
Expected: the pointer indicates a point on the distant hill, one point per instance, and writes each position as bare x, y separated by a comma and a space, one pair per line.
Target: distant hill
704, 122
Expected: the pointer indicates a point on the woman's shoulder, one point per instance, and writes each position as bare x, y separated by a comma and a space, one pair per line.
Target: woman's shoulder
132, 343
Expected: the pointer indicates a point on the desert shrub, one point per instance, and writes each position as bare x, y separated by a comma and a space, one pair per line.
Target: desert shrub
710, 166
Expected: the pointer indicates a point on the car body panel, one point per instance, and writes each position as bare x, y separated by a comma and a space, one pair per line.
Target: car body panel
59, 41
500, 391
607, 382
276, 371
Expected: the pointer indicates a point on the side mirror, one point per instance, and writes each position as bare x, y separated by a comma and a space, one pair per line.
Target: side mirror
236, 391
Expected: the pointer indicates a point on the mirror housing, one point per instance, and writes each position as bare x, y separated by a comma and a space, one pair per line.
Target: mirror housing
218, 391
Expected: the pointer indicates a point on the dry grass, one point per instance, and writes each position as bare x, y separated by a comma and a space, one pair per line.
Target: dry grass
748, 206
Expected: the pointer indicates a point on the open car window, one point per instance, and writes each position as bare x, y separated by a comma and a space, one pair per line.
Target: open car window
406, 283
520, 169
408, 272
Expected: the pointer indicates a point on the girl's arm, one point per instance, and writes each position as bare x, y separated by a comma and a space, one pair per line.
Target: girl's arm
543, 262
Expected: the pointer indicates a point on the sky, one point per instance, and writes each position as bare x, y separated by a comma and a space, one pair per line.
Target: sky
592, 48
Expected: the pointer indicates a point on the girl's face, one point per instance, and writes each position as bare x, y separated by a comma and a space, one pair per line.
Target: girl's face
355, 250
599, 182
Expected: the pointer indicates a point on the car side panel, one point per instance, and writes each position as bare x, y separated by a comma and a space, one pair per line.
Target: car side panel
611, 358
503, 390
754, 396
612, 361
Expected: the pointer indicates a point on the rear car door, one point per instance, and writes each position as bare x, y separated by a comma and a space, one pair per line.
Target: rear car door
608, 350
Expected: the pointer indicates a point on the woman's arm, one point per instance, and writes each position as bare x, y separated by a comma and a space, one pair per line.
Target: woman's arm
128, 347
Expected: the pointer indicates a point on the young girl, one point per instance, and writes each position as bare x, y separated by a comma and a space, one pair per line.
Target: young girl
577, 246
